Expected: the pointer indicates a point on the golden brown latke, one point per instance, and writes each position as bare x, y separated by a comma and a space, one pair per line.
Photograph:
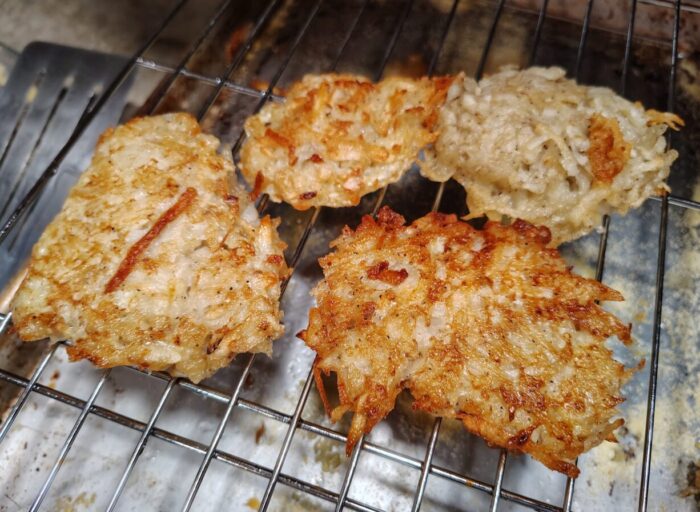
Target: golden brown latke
157, 259
487, 326
338, 137
531, 144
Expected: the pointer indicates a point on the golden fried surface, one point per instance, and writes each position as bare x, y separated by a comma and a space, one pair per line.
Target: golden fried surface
338, 137
531, 144
487, 326
157, 258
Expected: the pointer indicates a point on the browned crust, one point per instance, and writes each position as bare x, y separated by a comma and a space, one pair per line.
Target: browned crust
381, 272
673, 121
318, 379
307, 195
608, 152
257, 187
281, 140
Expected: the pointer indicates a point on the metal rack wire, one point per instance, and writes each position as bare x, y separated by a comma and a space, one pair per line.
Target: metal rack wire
295, 422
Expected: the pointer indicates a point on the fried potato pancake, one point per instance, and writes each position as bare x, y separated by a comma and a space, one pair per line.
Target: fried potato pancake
534, 145
157, 258
486, 326
338, 137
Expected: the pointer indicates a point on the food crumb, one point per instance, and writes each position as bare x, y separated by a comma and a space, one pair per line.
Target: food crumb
693, 488
249, 381
259, 433
53, 380
82, 501
253, 503
325, 452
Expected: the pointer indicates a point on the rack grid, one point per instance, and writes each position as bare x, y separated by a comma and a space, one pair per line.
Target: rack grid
295, 422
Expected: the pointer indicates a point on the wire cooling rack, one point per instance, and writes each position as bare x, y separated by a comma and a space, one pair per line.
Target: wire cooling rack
229, 398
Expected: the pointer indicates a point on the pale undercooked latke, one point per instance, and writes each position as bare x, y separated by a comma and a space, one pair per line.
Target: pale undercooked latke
537, 146
157, 258
338, 137
486, 326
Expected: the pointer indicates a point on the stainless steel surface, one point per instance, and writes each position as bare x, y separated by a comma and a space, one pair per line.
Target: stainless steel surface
68, 443
138, 449
52, 90
659, 292
147, 440
38, 185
